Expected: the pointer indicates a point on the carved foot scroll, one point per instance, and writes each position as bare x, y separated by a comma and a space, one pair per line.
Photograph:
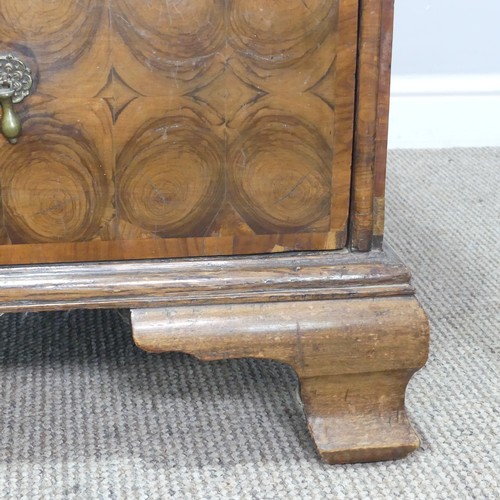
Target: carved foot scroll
354, 358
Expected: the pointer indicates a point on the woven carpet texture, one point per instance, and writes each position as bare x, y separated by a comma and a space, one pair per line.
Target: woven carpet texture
85, 415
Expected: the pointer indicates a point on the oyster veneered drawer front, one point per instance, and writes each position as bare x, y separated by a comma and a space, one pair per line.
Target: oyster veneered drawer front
170, 129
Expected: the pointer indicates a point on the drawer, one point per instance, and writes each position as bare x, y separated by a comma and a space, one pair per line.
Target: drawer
174, 129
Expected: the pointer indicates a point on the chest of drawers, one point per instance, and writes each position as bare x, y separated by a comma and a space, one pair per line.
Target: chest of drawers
216, 166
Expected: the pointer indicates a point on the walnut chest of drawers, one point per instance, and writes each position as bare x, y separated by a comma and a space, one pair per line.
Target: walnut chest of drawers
217, 167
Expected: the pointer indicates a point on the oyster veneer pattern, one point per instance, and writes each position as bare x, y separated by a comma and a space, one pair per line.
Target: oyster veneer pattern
210, 127
60, 185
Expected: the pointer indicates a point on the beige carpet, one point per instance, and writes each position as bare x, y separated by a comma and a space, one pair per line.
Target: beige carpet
85, 415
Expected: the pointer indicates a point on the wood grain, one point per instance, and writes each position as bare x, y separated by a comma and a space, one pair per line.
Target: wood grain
274, 44
268, 278
279, 174
354, 360
59, 188
170, 178
382, 123
371, 124
344, 105
65, 43
163, 48
222, 142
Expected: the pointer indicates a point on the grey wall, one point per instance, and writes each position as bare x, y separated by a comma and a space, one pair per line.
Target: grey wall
446, 36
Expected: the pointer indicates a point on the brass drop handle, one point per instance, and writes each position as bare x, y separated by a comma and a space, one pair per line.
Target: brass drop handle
11, 124
15, 85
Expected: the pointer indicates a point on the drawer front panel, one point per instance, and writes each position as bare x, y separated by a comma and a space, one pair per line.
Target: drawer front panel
171, 129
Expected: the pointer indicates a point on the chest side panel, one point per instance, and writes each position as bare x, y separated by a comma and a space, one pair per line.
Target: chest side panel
169, 129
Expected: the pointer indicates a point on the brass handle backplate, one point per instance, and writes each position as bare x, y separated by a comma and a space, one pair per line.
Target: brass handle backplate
15, 85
